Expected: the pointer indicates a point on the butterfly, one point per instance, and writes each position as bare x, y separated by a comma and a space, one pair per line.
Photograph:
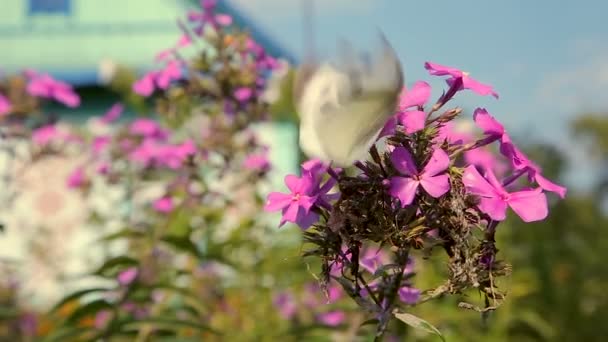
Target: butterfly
343, 106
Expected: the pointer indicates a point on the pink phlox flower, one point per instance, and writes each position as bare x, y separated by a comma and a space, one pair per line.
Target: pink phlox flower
46, 134
485, 159
76, 178
448, 132
317, 171
494, 130
332, 318
412, 120
5, 105
208, 16
147, 128
530, 205
432, 177
160, 79
373, 259
467, 81
103, 168
113, 113
174, 156
127, 276
243, 94
163, 205
415, 97
258, 162
409, 295
101, 143
44, 86
286, 304
145, 86
296, 205
102, 318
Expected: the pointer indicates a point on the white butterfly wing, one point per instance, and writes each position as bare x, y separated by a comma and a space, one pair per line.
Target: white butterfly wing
343, 108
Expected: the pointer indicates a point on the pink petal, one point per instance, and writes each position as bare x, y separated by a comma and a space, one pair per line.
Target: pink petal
243, 94
441, 70
5, 105
403, 161
67, 97
404, 189
417, 96
223, 19
277, 201
113, 113
305, 220
389, 127
547, 185
495, 207
413, 121
290, 214
127, 276
438, 163
530, 205
488, 123
332, 318
145, 85
476, 184
436, 186
478, 87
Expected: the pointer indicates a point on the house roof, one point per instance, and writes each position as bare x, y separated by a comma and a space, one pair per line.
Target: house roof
72, 49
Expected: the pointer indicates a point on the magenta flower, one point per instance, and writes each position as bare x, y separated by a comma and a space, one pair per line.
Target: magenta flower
286, 304
174, 156
372, 259
163, 205
432, 177
46, 134
409, 295
101, 143
494, 130
147, 128
530, 205
243, 94
447, 132
127, 276
332, 318
145, 85
77, 178
412, 120
5, 105
257, 162
207, 16
113, 113
297, 204
317, 169
44, 86
485, 159
102, 318
415, 97
467, 81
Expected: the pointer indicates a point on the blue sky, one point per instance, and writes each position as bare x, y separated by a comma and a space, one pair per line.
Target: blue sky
547, 59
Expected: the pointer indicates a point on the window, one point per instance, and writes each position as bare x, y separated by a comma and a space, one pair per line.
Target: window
49, 7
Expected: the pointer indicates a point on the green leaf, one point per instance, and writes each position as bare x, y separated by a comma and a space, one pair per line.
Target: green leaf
170, 323
182, 243
113, 266
77, 295
89, 309
66, 334
418, 323
124, 233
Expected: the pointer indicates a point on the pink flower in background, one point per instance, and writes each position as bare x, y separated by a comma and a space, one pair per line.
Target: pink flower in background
163, 205
530, 205
77, 178
147, 128
101, 143
415, 97
449, 132
102, 318
409, 295
103, 168
467, 81
127, 276
5, 105
174, 156
208, 16
297, 204
164, 55
145, 85
372, 259
257, 162
243, 94
44, 86
286, 304
332, 318
44, 135
113, 113
171, 72
431, 178
485, 159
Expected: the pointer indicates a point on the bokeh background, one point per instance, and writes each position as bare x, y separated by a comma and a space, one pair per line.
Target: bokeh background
547, 60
